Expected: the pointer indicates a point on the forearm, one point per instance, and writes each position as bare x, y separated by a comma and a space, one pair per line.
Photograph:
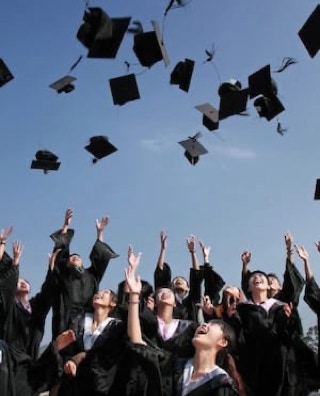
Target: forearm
161, 259
194, 260
307, 270
2, 248
134, 328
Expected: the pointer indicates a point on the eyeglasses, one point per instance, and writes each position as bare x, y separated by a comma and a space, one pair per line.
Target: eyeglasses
232, 300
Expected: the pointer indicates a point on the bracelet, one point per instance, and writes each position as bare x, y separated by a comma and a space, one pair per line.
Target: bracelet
133, 302
192, 251
2, 242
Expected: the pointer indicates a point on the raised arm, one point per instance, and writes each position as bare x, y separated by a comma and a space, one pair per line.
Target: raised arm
134, 286
289, 246
245, 273
191, 245
67, 221
304, 255
205, 252
162, 272
4, 234
101, 252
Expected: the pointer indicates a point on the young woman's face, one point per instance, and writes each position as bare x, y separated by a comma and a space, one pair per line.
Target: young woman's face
103, 298
180, 284
165, 296
23, 286
258, 281
209, 335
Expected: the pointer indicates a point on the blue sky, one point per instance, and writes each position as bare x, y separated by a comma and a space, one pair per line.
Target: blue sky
251, 187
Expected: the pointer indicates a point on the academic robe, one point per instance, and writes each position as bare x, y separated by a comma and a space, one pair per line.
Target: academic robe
76, 287
266, 351
216, 384
22, 330
186, 307
97, 371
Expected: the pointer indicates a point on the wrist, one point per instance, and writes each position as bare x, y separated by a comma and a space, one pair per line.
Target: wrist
3, 242
192, 251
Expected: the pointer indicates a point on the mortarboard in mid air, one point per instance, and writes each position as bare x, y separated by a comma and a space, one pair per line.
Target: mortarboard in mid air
149, 47
210, 117
262, 85
310, 33
5, 74
100, 147
233, 99
100, 34
317, 190
193, 149
124, 89
182, 74
64, 84
46, 161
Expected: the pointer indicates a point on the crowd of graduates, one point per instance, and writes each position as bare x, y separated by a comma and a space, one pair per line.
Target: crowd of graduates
161, 339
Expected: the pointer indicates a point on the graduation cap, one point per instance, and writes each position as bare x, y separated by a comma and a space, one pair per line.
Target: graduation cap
193, 149
64, 84
100, 34
261, 83
233, 99
124, 89
46, 161
100, 147
149, 47
182, 74
5, 74
210, 117
310, 32
268, 107
317, 190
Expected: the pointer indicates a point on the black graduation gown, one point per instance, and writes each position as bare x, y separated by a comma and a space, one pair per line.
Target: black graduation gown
265, 350
213, 283
292, 286
21, 330
185, 309
97, 372
75, 289
220, 385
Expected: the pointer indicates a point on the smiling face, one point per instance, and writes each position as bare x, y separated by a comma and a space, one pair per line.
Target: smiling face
165, 296
210, 336
274, 285
75, 260
104, 298
258, 281
180, 285
23, 286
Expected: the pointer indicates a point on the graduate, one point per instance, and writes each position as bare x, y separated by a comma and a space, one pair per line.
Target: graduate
77, 285
197, 376
22, 319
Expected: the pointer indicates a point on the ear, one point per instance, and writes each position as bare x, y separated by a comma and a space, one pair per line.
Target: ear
112, 304
223, 343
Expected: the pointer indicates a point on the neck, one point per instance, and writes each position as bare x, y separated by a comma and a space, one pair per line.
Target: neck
259, 296
165, 312
181, 293
100, 314
204, 362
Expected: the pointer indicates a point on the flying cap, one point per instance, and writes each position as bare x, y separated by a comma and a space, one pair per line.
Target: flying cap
100, 147
317, 190
233, 99
193, 149
261, 83
182, 74
64, 84
210, 118
100, 34
149, 47
310, 32
124, 89
46, 161
5, 74
268, 107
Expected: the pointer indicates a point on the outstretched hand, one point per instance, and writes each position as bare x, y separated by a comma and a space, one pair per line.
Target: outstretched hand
317, 246
4, 233
52, 258
246, 257
191, 243
302, 253
288, 240
133, 282
133, 260
163, 240
205, 251
17, 250
101, 225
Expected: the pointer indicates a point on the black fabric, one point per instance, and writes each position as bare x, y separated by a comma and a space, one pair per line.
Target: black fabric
75, 289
